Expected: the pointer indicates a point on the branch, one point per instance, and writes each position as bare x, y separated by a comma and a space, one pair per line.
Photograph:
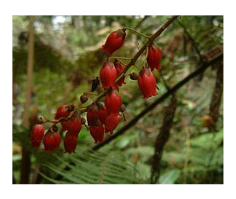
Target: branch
137, 55
159, 100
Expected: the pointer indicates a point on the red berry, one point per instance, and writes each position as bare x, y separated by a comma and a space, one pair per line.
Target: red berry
113, 102
92, 114
57, 137
63, 111
34, 143
108, 75
37, 135
74, 126
70, 143
50, 141
97, 132
119, 69
112, 122
147, 83
114, 41
154, 57
102, 113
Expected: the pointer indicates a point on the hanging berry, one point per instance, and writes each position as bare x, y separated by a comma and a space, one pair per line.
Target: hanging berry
108, 75
37, 135
92, 114
147, 82
154, 57
57, 137
51, 140
113, 102
102, 112
97, 132
63, 111
111, 123
74, 125
70, 143
114, 41
119, 69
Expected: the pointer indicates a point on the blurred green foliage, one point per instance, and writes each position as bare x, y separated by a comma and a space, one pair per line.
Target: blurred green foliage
68, 56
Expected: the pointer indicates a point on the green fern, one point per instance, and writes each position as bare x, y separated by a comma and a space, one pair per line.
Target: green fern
91, 168
205, 158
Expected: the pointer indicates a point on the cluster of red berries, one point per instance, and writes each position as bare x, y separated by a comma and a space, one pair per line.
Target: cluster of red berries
101, 117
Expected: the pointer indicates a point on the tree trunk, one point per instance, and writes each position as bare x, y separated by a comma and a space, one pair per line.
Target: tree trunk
162, 138
216, 97
25, 163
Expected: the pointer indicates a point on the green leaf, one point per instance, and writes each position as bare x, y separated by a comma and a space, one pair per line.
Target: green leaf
169, 177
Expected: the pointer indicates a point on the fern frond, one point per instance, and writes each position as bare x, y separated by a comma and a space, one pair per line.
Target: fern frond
92, 168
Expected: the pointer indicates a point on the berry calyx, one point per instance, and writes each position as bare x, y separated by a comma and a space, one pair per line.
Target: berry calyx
40, 120
71, 107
